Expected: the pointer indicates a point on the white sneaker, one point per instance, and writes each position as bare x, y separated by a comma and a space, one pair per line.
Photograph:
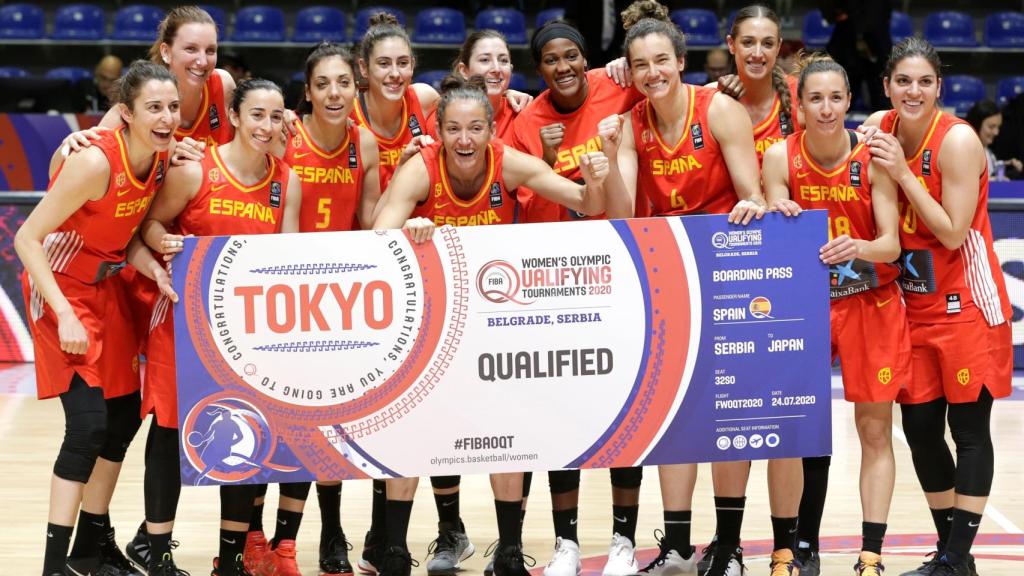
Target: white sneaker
671, 563
566, 560
621, 558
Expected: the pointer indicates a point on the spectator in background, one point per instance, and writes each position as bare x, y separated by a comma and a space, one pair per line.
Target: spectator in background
600, 23
789, 55
987, 120
235, 65
717, 64
1010, 141
104, 91
861, 43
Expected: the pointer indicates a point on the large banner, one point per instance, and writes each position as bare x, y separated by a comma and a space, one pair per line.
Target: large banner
503, 348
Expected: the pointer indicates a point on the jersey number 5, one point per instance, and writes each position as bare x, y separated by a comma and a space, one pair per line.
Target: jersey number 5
323, 209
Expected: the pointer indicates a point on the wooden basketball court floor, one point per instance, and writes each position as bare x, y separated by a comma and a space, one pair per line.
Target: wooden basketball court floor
31, 430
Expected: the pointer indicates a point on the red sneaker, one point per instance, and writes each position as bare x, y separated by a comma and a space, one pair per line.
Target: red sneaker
256, 550
281, 561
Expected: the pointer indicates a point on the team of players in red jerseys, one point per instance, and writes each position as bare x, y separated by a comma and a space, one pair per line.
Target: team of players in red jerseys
920, 313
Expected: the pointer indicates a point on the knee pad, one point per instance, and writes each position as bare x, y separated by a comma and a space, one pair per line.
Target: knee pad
162, 480
627, 478
85, 434
296, 490
445, 482
562, 481
975, 456
817, 463
123, 422
925, 428
527, 482
236, 502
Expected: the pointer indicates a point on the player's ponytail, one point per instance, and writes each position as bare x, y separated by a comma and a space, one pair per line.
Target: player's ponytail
455, 87
815, 63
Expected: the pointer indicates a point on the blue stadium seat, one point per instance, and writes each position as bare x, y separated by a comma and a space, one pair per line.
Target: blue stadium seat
22, 21
72, 74
316, 23
432, 77
137, 22
299, 76
259, 24
1009, 88
363, 19
545, 16
1004, 30
900, 26
518, 82
961, 92
508, 21
816, 31
12, 72
219, 17
79, 22
950, 29
699, 77
439, 26
700, 26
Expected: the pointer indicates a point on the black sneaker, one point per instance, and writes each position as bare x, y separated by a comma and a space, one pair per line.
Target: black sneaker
510, 561
166, 567
707, 554
932, 563
373, 551
396, 561
810, 561
237, 568
138, 548
726, 562
946, 567
334, 557
489, 553
112, 560
81, 566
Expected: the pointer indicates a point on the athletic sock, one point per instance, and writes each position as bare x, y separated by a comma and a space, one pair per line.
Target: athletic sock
159, 544
510, 527
961, 535
288, 523
677, 531
396, 522
256, 523
873, 534
447, 508
565, 524
784, 531
729, 513
812, 501
624, 521
943, 519
378, 510
58, 539
232, 544
329, 498
91, 527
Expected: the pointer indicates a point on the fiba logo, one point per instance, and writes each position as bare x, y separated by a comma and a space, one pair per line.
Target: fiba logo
720, 240
226, 439
736, 239
498, 282
761, 308
885, 375
723, 443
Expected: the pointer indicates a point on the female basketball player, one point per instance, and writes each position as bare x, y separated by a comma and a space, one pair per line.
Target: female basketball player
955, 293
73, 245
465, 164
825, 167
243, 170
709, 134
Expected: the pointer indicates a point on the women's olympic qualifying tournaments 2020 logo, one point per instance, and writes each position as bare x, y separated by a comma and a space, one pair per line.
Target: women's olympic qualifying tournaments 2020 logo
226, 440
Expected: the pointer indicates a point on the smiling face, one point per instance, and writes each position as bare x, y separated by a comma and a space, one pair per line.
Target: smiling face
990, 129
331, 90
490, 59
465, 133
756, 48
655, 66
259, 119
390, 68
825, 100
192, 57
913, 88
154, 114
563, 68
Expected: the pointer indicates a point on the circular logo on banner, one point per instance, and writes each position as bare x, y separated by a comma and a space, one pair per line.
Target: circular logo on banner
720, 240
285, 325
761, 308
226, 439
498, 282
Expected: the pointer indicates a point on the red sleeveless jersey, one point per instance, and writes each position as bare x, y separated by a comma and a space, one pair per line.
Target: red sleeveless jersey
503, 117
90, 244
413, 124
604, 97
942, 285
211, 124
492, 204
223, 205
777, 126
845, 191
332, 182
685, 177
